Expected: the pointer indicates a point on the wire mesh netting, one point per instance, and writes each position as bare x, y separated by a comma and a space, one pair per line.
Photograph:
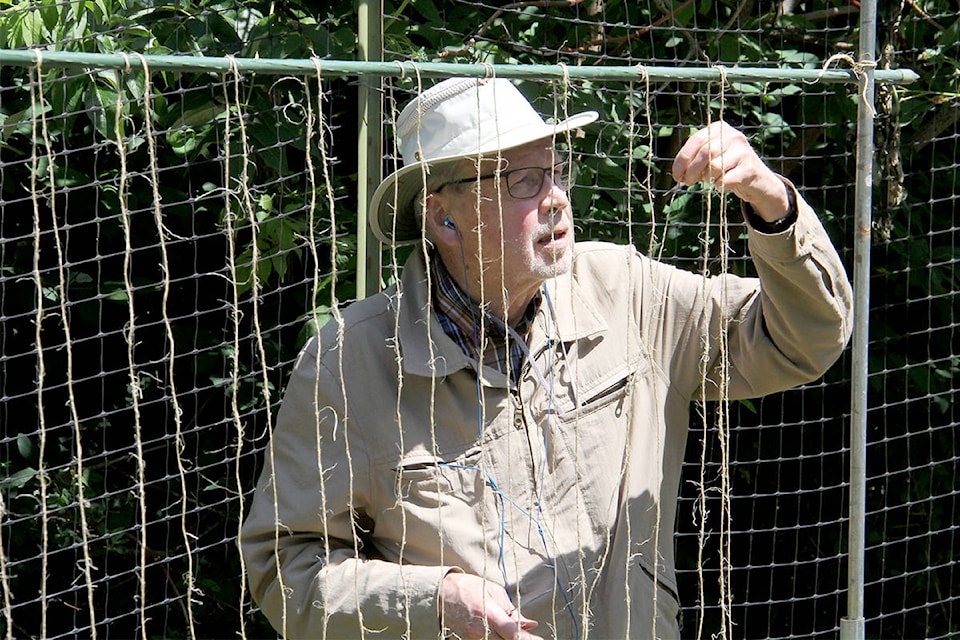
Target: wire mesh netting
169, 241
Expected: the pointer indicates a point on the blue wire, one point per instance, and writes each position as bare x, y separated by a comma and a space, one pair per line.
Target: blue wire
502, 497
503, 500
476, 340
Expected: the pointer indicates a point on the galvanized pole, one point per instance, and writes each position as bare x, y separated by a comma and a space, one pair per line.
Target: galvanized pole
399, 69
370, 44
853, 627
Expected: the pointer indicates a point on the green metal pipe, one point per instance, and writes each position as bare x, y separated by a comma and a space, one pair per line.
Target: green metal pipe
369, 144
195, 64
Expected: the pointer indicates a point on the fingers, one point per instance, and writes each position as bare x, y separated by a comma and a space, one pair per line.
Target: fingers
710, 153
472, 607
506, 624
722, 156
511, 625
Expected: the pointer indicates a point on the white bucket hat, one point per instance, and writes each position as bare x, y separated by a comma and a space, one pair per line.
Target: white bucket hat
454, 119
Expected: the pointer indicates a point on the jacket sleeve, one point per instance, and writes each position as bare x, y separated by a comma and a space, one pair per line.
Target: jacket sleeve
785, 328
305, 542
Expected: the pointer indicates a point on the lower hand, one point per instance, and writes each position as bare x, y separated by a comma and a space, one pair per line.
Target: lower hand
472, 607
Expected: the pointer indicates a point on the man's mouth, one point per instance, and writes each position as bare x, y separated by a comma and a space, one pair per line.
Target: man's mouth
557, 235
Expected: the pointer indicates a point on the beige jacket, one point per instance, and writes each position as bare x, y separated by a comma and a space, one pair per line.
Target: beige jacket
384, 470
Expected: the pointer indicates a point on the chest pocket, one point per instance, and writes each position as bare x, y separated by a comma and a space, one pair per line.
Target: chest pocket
608, 387
431, 481
601, 395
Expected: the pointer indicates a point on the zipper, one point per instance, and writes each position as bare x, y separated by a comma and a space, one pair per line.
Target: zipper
609, 391
659, 583
520, 423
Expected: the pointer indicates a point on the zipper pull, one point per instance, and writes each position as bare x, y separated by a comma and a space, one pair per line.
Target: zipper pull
518, 420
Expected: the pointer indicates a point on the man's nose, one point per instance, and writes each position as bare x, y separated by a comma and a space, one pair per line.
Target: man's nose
555, 197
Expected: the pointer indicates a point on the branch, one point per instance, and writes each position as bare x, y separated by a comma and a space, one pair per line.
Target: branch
593, 44
499, 12
938, 121
826, 14
743, 11
925, 16
622, 41
523, 5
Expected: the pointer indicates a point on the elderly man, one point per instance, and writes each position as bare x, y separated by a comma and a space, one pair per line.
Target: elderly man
492, 448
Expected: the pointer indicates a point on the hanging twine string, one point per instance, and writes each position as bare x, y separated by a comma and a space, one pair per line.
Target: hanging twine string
235, 316
723, 426
394, 344
657, 404
246, 200
334, 302
35, 89
704, 371
61, 290
489, 73
189, 577
126, 61
314, 300
583, 570
136, 393
41, 375
652, 241
625, 463
722, 370
425, 255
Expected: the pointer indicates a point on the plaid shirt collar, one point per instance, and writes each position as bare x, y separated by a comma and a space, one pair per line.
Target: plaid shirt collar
489, 341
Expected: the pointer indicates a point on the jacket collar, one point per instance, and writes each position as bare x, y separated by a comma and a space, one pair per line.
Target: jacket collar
567, 310
574, 316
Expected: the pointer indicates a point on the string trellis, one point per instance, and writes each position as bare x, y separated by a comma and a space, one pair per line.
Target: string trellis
243, 214
167, 300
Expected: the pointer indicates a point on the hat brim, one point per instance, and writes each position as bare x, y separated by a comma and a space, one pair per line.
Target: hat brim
392, 218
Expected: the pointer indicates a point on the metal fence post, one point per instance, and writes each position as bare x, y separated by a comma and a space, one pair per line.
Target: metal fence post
852, 626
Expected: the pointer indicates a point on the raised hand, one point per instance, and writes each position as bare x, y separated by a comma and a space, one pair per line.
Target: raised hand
722, 156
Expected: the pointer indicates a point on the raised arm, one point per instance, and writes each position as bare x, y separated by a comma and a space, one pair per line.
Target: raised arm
785, 328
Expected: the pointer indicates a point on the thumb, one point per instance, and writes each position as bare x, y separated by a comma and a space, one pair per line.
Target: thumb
527, 623
512, 626
522, 627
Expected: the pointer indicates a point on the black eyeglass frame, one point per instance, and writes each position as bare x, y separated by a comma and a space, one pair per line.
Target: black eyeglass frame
564, 174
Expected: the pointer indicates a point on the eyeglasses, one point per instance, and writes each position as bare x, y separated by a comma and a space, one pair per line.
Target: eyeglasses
527, 182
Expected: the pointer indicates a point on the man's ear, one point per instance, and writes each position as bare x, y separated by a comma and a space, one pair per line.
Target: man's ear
442, 228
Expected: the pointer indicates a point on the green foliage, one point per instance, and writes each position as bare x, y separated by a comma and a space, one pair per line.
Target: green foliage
273, 205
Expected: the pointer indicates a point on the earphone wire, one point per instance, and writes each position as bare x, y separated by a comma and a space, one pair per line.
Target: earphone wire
502, 498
